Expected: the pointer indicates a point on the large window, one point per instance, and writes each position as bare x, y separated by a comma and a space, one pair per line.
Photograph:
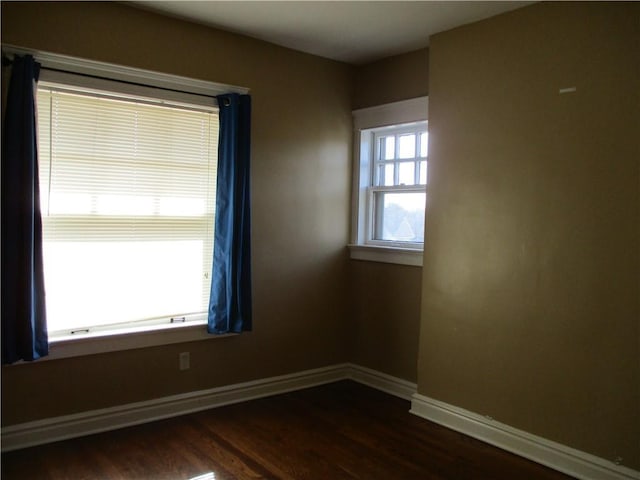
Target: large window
390, 182
127, 185
128, 199
127, 175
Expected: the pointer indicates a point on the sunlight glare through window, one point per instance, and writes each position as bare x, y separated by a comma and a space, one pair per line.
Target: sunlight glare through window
84, 279
407, 146
128, 195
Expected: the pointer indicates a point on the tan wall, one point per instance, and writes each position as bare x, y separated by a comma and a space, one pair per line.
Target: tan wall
392, 79
385, 302
530, 290
301, 196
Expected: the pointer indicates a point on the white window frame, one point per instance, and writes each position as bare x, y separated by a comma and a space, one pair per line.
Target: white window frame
367, 123
135, 82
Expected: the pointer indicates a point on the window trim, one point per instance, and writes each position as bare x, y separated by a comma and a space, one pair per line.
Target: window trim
106, 340
366, 121
131, 75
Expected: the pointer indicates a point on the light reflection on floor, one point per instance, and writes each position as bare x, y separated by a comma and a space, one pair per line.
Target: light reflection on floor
205, 476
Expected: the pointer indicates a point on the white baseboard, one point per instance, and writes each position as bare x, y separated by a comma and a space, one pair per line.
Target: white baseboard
94, 421
381, 381
564, 459
65, 427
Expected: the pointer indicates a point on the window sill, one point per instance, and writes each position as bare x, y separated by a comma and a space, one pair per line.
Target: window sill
103, 342
399, 256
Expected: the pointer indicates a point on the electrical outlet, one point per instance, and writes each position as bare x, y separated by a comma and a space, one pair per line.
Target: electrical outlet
184, 360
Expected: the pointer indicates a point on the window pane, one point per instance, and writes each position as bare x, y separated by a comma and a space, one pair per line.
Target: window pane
407, 174
94, 283
388, 148
423, 173
407, 146
400, 217
182, 207
60, 203
386, 175
424, 144
124, 205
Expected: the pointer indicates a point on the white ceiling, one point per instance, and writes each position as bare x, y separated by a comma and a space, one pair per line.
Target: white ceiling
355, 32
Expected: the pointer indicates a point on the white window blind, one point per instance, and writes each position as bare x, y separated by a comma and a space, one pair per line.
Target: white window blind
128, 199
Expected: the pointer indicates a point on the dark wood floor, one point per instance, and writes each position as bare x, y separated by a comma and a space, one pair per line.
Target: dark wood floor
339, 431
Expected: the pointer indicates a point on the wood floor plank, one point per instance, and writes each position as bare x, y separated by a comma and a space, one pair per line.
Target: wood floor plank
342, 430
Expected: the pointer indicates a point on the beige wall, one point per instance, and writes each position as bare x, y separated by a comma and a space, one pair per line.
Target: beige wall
385, 303
530, 289
301, 198
392, 79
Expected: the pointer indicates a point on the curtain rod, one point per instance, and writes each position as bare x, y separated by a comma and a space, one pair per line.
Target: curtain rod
6, 60
126, 82
120, 73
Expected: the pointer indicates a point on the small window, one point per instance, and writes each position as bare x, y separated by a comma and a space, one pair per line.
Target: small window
391, 175
128, 198
397, 195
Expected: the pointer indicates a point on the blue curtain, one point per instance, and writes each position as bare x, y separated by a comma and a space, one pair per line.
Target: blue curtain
230, 300
24, 326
